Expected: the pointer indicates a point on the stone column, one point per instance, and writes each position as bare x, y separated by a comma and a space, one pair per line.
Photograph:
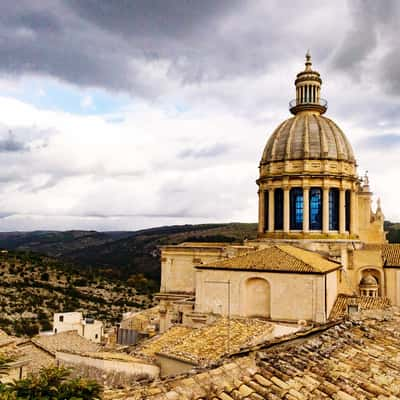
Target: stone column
271, 220
325, 210
286, 209
261, 211
342, 211
306, 209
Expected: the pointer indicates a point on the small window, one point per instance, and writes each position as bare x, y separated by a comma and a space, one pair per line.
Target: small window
55, 330
96, 336
334, 209
278, 204
315, 209
61, 318
296, 208
266, 210
347, 208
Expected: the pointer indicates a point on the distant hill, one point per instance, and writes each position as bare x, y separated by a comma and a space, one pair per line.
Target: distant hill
393, 230
121, 254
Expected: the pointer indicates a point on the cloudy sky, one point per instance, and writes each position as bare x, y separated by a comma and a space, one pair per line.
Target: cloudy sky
128, 114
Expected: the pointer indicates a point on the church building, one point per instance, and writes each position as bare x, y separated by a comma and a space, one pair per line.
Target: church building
318, 238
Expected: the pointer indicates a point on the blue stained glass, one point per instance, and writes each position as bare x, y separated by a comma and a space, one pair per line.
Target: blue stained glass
296, 208
315, 209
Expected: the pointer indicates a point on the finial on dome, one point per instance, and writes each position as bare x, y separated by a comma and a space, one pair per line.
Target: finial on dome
308, 60
308, 88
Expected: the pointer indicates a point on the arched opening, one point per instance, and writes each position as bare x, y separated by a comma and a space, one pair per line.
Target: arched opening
278, 205
296, 208
257, 298
315, 208
370, 283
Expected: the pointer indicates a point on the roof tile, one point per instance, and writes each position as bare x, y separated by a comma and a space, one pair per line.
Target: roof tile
279, 258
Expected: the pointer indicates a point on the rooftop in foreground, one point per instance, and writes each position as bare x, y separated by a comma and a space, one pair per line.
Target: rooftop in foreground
349, 361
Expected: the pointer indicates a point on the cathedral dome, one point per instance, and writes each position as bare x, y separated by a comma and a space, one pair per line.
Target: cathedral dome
308, 173
305, 136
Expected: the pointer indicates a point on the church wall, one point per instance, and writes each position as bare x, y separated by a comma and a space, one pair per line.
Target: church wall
292, 296
393, 285
331, 289
178, 262
177, 266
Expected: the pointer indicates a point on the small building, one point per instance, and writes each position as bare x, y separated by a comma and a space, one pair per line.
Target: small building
88, 328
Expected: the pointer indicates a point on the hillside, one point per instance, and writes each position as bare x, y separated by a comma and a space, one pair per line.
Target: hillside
121, 254
117, 255
393, 230
33, 287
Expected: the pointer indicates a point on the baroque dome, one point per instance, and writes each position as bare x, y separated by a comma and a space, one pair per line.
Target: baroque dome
308, 136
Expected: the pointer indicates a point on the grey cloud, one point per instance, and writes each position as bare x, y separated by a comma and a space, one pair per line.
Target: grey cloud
11, 144
111, 44
205, 152
374, 27
380, 142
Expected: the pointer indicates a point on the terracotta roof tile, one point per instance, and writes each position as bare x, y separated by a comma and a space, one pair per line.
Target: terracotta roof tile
205, 345
391, 255
339, 309
68, 341
281, 258
351, 360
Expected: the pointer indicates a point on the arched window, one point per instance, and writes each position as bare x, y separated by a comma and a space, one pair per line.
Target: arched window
334, 209
278, 204
347, 205
266, 210
296, 208
316, 209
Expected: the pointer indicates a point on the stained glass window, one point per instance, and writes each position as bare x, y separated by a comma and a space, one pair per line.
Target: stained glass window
334, 209
296, 208
278, 203
347, 205
266, 210
316, 209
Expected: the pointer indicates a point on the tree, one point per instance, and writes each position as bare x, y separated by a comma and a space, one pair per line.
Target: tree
51, 383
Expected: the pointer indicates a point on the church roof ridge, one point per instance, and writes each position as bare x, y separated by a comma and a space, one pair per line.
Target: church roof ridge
277, 258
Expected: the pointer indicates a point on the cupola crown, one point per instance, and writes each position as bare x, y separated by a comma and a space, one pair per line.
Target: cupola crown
308, 89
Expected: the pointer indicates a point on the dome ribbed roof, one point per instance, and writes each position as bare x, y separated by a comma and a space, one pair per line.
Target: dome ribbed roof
308, 136
369, 280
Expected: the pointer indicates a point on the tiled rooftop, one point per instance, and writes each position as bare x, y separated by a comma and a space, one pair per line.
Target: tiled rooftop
391, 255
349, 361
282, 258
208, 344
339, 309
165, 340
66, 341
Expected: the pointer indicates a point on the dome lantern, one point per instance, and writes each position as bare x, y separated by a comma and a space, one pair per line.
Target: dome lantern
308, 89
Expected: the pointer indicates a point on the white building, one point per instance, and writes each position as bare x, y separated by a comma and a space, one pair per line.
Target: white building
73, 321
